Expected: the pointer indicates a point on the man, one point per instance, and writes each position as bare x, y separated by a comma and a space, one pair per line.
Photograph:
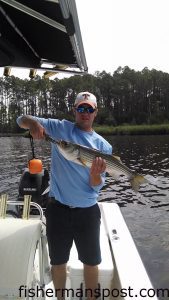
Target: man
73, 212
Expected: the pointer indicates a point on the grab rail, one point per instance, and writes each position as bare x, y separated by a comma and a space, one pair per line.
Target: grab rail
26, 206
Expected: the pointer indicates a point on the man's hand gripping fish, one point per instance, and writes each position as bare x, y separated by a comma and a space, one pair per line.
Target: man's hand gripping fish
84, 156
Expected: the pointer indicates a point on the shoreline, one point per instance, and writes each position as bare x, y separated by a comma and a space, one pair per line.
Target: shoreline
161, 129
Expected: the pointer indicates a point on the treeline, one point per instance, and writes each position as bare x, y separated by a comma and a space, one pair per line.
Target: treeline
126, 97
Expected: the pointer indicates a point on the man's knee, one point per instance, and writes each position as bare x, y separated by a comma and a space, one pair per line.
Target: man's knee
58, 267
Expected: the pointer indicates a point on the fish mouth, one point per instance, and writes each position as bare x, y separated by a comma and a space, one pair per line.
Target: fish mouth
63, 144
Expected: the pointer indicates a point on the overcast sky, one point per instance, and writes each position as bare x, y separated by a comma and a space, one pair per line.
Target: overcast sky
125, 32
132, 33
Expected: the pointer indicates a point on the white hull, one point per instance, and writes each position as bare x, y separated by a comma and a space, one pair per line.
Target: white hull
122, 274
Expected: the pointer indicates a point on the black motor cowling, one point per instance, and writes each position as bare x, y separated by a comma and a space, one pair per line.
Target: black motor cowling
34, 185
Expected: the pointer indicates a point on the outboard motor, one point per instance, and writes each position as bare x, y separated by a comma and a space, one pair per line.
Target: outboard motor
34, 181
34, 185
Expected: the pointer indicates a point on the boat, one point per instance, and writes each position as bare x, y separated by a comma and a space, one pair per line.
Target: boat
25, 267
24, 259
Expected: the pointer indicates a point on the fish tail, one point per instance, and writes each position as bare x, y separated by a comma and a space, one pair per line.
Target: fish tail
136, 181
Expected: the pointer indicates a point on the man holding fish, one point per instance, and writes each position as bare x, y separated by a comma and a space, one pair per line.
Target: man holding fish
73, 212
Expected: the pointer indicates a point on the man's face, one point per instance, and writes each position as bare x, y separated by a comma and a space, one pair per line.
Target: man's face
84, 116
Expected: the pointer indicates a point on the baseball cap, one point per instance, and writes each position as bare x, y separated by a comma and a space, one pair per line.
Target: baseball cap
85, 98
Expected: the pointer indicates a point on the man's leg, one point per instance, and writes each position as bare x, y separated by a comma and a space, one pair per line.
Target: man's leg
87, 240
60, 239
59, 280
91, 280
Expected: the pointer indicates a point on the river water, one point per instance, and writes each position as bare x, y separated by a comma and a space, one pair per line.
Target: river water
146, 213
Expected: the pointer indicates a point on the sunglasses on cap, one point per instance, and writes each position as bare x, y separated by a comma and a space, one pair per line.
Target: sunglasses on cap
82, 109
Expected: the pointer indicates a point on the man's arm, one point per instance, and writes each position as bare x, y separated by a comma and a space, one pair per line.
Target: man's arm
35, 128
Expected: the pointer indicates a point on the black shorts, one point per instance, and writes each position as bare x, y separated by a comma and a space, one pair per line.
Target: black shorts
65, 224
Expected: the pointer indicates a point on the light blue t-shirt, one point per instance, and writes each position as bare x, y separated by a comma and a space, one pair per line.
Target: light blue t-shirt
69, 182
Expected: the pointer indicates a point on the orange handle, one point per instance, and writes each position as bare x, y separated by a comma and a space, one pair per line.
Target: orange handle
35, 166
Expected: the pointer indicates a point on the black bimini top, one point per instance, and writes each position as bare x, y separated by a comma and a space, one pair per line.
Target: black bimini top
38, 32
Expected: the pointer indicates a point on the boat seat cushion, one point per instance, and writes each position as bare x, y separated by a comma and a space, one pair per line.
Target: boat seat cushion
18, 242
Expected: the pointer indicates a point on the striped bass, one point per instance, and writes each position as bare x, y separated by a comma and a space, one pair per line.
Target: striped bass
84, 156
